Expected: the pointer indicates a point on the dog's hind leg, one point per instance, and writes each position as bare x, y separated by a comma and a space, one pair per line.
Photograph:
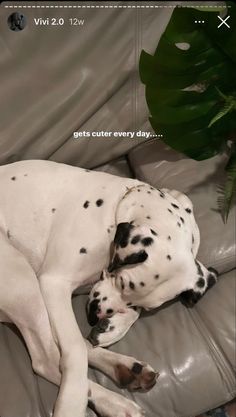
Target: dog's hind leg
21, 303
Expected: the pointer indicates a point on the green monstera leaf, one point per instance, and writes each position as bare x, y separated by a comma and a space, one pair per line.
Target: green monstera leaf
191, 65
190, 84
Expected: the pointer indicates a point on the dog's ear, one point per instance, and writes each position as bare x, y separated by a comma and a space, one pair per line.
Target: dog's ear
122, 234
122, 256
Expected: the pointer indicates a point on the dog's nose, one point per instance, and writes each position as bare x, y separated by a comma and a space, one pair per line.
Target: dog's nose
92, 312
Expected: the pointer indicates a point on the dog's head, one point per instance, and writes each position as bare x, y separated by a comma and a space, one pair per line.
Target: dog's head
125, 284
146, 270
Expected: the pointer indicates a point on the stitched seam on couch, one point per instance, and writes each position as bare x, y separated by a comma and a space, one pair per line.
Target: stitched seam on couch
221, 362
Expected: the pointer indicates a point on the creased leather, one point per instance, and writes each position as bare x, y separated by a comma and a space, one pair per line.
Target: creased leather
56, 80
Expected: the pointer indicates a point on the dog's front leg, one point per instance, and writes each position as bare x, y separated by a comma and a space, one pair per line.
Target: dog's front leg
126, 371
72, 398
107, 403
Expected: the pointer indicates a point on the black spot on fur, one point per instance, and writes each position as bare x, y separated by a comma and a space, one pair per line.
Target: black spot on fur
161, 193
135, 239
149, 192
142, 284
142, 205
199, 269
99, 202
188, 210
151, 188
137, 368
13, 178
200, 282
91, 405
96, 294
131, 285
182, 220
83, 250
138, 190
147, 241
86, 204
91, 314
169, 257
157, 276
148, 217
170, 210
129, 304
104, 298
122, 234
192, 239
153, 232
175, 205
53, 210
136, 258
190, 297
8, 234
179, 224
211, 269
108, 230
109, 311
169, 238
210, 281
122, 283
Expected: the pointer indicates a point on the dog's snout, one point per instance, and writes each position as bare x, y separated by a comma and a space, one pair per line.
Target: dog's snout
92, 311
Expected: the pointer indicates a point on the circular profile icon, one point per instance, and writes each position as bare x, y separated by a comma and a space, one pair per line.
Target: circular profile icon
16, 21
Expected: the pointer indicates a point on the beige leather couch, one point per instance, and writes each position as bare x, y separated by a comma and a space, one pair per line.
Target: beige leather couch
57, 80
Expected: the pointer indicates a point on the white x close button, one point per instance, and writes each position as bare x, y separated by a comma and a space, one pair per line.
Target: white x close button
223, 22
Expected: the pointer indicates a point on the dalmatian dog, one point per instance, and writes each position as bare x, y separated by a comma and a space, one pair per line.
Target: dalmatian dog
60, 226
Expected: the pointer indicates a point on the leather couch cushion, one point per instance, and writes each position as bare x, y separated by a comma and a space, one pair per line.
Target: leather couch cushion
157, 164
193, 349
81, 78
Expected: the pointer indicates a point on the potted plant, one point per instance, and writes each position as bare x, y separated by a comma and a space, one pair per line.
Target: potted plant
190, 85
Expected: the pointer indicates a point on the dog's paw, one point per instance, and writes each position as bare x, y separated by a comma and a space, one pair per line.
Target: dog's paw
138, 376
101, 334
109, 330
